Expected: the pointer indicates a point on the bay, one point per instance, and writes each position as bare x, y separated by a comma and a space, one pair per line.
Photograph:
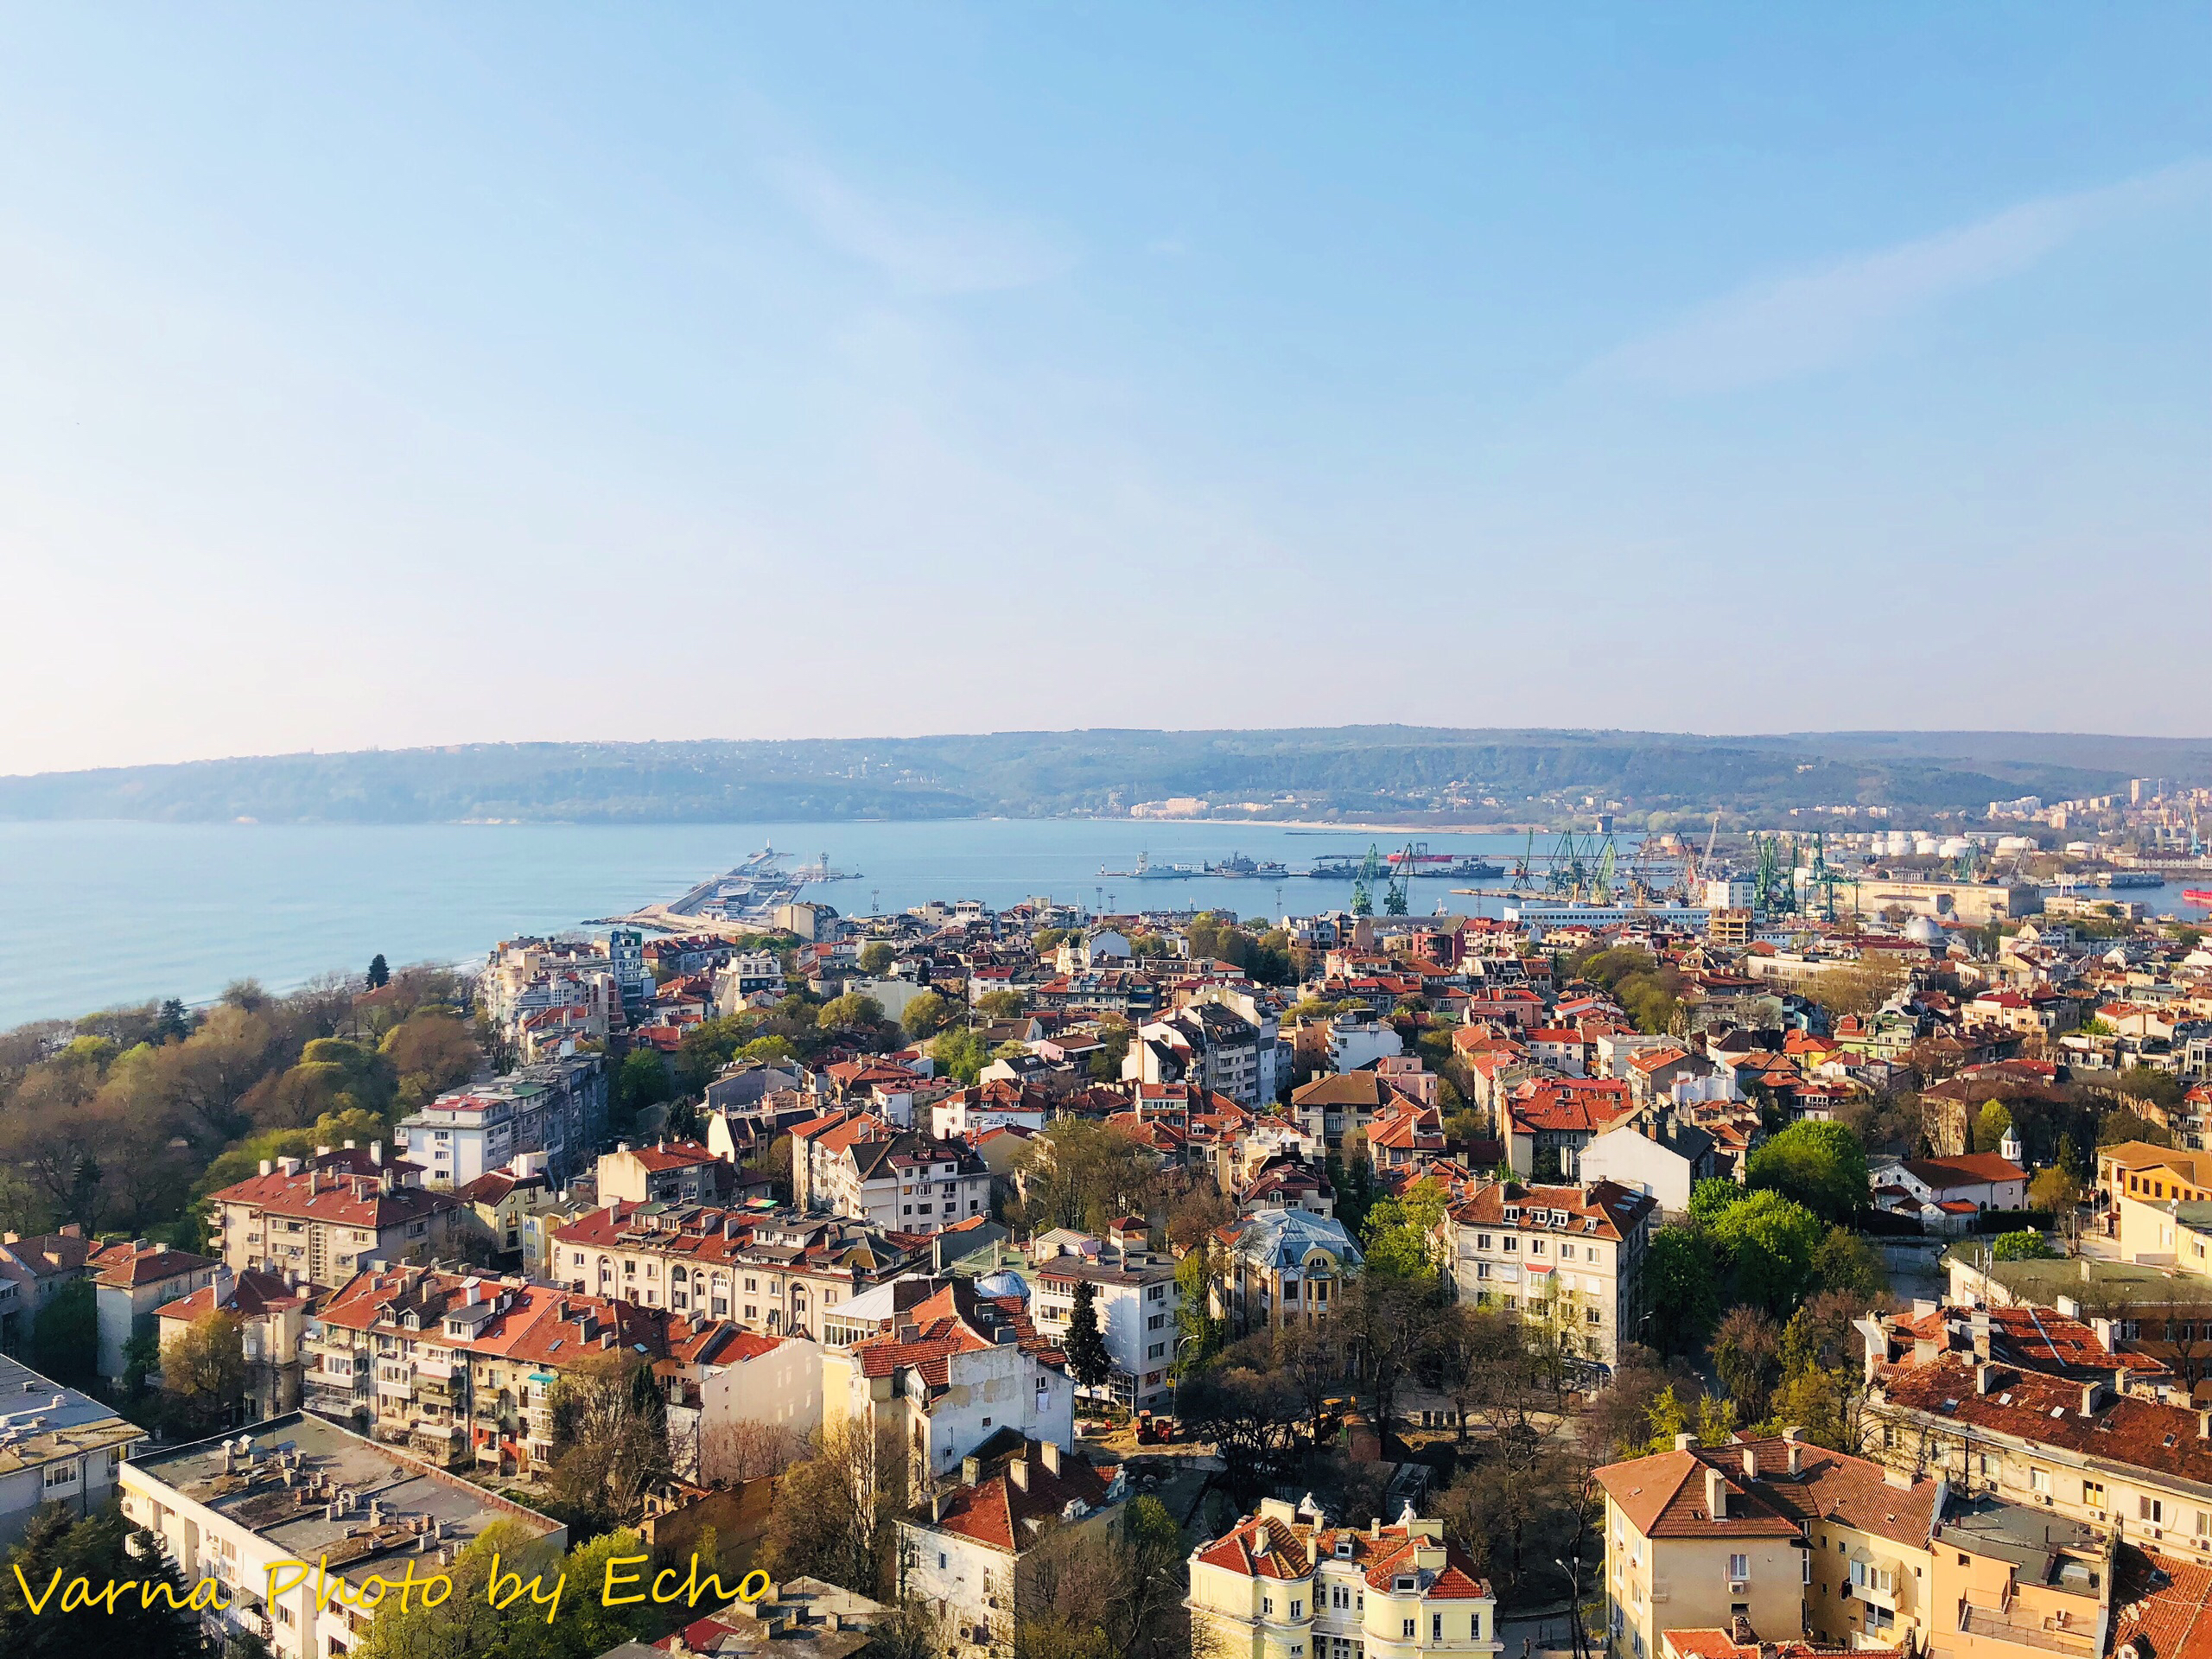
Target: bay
97, 914
92, 914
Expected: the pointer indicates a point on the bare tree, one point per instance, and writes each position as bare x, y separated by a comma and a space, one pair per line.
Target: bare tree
747, 1449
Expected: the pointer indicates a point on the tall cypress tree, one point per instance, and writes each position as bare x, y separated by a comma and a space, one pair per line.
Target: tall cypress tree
1086, 1344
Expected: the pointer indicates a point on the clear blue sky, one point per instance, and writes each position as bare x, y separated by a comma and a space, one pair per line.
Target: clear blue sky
395, 376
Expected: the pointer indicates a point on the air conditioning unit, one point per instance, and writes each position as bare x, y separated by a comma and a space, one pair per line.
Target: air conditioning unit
1738, 1586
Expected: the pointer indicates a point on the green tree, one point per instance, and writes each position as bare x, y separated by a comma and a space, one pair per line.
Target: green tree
642, 1082
1770, 1242
1199, 1334
999, 1004
1669, 1418
379, 974
1991, 1126
2025, 1245
875, 957
102, 1547
66, 1335
1848, 1263
1822, 1166
1400, 1234
1680, 1294
848, 1012
1087, 1359
960, 1055
926, 1015
1747, 1357
203, 1372
1712, 1198
2160, 1089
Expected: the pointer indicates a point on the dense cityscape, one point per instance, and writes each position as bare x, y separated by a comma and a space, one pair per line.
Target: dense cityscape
1782, 1244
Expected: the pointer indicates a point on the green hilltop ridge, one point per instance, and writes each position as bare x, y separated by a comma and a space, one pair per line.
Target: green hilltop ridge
1409, 772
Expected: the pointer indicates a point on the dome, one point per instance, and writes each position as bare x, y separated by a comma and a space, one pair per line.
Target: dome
1003, 1283
1922, 930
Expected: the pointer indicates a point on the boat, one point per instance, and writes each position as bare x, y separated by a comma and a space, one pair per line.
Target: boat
2200, 896
2131, 879
1145, 870
1236, 867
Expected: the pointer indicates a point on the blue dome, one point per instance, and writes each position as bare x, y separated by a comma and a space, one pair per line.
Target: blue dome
1003, 1283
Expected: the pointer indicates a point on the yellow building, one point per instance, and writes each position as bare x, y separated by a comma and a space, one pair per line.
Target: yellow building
1789, 1535
1283, 1584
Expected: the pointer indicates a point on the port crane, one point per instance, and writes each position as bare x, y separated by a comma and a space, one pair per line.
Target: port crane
1362, 883
1398, 895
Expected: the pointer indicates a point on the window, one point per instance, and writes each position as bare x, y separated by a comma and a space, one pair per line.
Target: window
1739, 1567
1409, 1629
1436, 1627
1474, 1627
1266, 1606
2092, 1494
1298, 1610
1879, 1619
60, 1474
940, 1560
2150, 1509
2038, 1479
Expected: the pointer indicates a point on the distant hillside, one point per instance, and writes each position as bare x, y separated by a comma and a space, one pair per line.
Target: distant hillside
1400, 771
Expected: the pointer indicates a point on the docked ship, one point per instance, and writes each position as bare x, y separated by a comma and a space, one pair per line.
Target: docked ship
1145, 870
2199, 896
1236, 867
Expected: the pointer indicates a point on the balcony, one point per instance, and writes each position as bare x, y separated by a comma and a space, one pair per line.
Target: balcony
1662, 1589
2018, 1627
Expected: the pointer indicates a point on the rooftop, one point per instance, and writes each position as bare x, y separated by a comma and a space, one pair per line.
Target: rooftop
315, 1490
42, 1421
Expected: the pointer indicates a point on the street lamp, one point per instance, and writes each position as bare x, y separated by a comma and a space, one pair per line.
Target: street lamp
1574, 1602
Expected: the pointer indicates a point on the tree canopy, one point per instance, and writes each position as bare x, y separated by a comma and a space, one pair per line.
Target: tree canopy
1821, 1166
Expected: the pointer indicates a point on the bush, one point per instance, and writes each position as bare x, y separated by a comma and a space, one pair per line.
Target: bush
2025, 1245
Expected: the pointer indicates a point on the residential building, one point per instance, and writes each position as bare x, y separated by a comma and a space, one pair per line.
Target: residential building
967, 1554
273, 1313
1574, 1254
777, 1272
1283, 1584
1791, 1536
32, 1272
745, 1377
1222, 1041
57, 1445
1656, 1154
1947, 1194
328, 1221
801, 1619
668, 1172
1135, 1299
295, 1490
1283, 1267
130, 1283
745, 976
459, 1367
556, 1108
1351, 1042
1549, 1120
1329, 1107
958, 1367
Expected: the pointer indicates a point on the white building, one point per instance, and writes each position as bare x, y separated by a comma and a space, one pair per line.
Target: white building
1662, 1159
1354, 1042
62, 1448
964, 1554
742, 977
296, 1490
956, 1370
1135, 1300
756, 1379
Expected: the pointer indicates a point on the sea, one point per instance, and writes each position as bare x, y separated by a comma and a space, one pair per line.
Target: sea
94, 914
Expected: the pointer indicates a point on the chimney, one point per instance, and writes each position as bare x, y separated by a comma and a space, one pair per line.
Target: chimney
939, 1502
2204, 1425
1750, 1463
268, 1167
1898, 1478
1982, 1377
1050, 1451
971, 1470
1684, 1442
376, 1151
1018, 1472
1716, 1494
1980, 1333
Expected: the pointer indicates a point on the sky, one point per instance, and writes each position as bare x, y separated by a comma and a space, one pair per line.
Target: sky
378, 376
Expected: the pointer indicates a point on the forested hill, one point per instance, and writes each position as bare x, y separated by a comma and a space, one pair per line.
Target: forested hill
1401, 771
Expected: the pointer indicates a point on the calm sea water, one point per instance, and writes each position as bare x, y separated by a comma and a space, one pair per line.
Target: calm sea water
92, 914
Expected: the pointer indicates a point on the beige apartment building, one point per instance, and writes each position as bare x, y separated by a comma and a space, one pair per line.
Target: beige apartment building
1575, 1251
329, 1220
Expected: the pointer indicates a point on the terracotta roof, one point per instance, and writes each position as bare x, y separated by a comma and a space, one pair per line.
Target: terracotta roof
1004, 1514
1664, 1495
1266, 1547
1616, 1210
348, 1200
954, 1321
2037, 1408
2171, 1615
253, 1294
1974, 1169
128, 1266
672, 1154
